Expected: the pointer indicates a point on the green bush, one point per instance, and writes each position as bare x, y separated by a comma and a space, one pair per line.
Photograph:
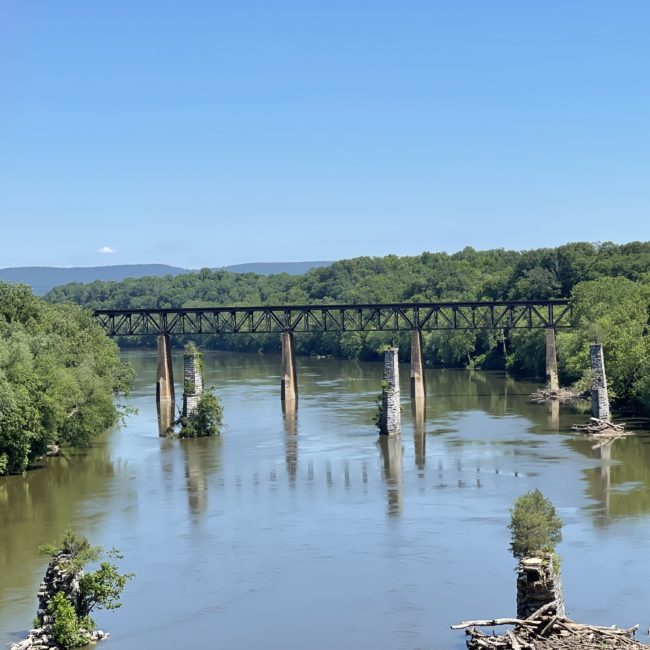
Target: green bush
207, 421
68, 629
534, 525
101, 589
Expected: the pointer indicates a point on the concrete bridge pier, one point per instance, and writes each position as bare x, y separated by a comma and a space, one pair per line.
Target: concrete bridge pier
164, 386
164, 373
192, 383
289, 383
418, 409
390, 420
599, 397
417, 366
552, 381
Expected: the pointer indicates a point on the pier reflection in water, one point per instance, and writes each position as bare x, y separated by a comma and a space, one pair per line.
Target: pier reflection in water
307, 520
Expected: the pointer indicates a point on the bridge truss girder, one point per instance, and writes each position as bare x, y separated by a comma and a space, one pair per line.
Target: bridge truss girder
337, 318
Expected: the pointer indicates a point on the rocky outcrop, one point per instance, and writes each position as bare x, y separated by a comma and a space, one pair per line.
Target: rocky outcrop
58, 579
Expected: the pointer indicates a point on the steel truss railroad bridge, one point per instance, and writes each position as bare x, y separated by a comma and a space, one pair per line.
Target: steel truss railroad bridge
384, 317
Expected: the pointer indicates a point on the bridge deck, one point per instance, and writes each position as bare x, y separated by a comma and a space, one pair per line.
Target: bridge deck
388, 317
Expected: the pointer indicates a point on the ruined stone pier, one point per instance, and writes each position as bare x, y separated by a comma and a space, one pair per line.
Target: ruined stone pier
599, 397
192, 383
390, 419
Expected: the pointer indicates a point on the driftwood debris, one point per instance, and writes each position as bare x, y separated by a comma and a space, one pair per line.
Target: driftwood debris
544, 631
602, 428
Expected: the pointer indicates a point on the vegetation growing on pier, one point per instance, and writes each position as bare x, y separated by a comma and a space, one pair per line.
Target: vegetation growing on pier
59, 374
609, 285
534, 525
208, 417
207, 421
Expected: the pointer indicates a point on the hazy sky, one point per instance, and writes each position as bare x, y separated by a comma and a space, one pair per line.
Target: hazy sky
206, 132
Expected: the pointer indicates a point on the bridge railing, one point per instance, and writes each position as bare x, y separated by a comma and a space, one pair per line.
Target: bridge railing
337, 318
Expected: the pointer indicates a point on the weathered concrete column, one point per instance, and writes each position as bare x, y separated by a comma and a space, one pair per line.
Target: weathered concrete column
192, 383
390, 420
289, 383
539, 583
552, 381
165, 417
164, 373
418, 408
599, 397
417, 367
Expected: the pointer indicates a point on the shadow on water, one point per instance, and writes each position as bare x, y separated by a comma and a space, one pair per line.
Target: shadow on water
619, 480
290, 418
391, 455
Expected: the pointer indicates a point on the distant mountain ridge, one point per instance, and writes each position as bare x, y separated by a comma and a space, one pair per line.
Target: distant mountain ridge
44, 278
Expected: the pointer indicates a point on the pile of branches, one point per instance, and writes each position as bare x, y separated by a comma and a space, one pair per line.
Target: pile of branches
544, 631
604, 428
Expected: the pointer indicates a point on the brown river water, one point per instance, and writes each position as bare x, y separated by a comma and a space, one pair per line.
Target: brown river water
314, 533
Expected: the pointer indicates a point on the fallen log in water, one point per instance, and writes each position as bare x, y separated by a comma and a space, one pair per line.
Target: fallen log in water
541, 631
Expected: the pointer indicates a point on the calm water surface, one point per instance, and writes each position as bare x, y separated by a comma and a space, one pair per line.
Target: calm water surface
309, 531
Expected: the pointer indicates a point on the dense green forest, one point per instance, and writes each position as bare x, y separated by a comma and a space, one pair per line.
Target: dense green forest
609, 285
59, 374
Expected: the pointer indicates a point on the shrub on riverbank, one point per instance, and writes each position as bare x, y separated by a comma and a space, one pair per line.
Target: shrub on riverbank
59, 374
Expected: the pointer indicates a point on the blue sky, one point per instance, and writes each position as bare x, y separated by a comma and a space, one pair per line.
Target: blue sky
205, 133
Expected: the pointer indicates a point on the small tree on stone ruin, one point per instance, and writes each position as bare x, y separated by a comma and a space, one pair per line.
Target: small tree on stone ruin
534, 525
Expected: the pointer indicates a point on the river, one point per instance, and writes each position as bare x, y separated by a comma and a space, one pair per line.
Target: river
311, 532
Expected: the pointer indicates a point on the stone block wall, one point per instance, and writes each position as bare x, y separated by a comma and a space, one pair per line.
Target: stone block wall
390, 420
538, 583
599, 396
192, 384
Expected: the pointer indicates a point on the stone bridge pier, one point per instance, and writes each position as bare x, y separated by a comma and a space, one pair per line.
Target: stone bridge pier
599, 396
390, 419
192, 384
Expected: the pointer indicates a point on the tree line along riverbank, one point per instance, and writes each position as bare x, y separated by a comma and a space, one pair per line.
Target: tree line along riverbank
59, 375
609, 286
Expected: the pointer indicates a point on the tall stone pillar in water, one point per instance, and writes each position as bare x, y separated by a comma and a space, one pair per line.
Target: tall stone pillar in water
289, 384
390, 420
192, 383
599, 397
417, 366
552, 381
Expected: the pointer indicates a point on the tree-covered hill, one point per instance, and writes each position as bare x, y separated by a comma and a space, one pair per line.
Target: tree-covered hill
609, 284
